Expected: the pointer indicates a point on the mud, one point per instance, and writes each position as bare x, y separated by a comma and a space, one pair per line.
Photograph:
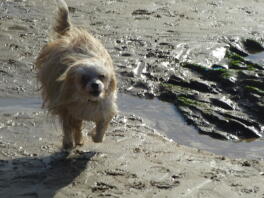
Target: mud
156, 46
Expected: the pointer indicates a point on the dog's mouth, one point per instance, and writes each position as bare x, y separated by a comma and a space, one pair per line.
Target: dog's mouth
95, 93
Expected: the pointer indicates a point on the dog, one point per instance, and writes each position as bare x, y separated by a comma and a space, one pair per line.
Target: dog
77, 78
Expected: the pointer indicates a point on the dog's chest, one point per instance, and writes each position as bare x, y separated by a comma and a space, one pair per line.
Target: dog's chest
90, 111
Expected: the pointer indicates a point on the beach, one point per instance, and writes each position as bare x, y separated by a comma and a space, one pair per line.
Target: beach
148, 41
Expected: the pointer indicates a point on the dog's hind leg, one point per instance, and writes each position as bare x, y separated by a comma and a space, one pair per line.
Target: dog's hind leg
68, 129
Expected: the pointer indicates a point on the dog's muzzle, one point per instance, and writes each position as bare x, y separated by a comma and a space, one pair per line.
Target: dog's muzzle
96, 89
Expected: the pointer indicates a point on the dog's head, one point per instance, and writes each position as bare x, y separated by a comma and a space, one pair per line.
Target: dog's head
91, 79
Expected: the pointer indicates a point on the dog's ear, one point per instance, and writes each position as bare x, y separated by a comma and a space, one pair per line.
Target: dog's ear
63, 76
112, 85
68, 60
68, 74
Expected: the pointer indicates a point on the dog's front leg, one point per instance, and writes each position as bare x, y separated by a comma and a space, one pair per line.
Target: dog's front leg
100, 129
78, 138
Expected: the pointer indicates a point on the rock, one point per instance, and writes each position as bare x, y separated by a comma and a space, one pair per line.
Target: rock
223, 103
177, 80
168, 96
259, 83
164, 184
202, 86
196, 84
243, 131
252, 46
141, 12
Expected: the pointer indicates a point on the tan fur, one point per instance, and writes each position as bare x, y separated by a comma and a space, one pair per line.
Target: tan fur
62, 64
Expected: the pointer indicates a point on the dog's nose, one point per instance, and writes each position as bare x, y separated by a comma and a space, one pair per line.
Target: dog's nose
95, 86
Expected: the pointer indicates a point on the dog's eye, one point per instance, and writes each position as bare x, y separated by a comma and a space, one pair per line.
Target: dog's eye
84, 80
101, 77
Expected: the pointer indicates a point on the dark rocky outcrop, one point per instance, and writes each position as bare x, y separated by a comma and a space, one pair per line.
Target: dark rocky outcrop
223, 102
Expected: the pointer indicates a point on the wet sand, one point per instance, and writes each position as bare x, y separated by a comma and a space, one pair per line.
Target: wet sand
134, 160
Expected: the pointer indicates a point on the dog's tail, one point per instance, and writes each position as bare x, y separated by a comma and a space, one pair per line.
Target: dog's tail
62, 22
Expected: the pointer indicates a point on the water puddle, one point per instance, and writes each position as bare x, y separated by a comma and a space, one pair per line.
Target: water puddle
164, 118
256, 58
13, 105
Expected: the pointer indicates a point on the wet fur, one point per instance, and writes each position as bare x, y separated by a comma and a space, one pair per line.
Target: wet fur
60, 64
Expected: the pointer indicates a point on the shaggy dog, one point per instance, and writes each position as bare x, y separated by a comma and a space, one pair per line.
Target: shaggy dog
77, 79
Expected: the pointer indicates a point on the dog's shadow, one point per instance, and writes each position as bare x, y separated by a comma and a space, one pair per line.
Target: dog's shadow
42, 176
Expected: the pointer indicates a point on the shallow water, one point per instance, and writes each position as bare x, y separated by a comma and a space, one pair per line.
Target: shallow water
164, 118
257, 58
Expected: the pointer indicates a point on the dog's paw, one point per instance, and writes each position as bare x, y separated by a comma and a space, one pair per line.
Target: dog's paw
67, 145
97, 139
79, 142
78, 139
